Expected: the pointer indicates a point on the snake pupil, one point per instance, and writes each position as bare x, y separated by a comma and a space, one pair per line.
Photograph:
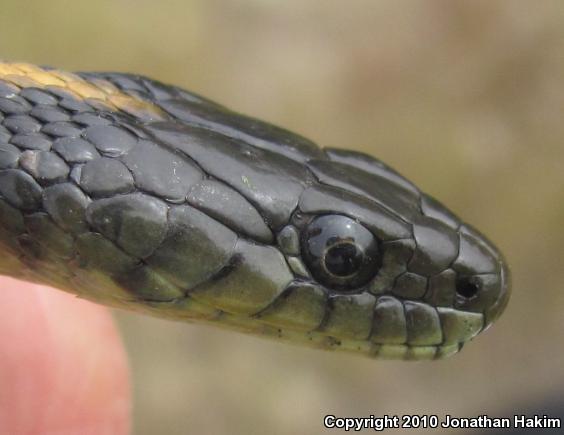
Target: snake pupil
343, 259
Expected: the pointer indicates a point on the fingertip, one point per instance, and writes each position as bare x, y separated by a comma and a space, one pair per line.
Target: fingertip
63, 368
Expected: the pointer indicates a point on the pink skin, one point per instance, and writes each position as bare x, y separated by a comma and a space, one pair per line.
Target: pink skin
63, 368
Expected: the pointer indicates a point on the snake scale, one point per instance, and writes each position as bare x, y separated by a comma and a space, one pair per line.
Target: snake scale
143, 196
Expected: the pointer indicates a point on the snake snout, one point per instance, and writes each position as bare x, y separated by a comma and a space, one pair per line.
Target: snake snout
483, 283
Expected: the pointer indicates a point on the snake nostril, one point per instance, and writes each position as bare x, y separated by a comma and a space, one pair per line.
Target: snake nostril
467, 287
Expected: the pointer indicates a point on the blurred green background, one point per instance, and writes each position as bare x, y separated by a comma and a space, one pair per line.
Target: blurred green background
465, 98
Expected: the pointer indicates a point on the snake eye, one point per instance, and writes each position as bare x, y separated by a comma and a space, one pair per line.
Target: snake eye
340, 252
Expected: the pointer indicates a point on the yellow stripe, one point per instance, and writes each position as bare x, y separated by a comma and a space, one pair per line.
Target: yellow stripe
101, 92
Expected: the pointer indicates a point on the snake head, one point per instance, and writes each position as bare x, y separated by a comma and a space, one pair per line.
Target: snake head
402, 272
143, 196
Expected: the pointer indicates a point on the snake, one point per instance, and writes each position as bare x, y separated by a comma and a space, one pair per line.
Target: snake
143, 196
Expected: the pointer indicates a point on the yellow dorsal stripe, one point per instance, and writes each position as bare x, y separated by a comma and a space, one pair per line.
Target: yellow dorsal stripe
101, 92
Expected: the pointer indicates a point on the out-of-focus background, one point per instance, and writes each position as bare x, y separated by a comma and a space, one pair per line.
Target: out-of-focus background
465, 98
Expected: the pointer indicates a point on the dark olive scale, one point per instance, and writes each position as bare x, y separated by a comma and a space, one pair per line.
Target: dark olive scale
67, 204
8, 90
389, 321
46, 167
36, 141
76, 174
62, 94
225, 204
4, 134
38, 96
12, 218
20, 189
21, 124
105, 177
289, 240
42, 228
125, 82
48, 113
200, 208
188, 228
75, 150
410, 286
109, 140
76, 106
117, 218
9, 156
162, 172
14, 106
90, 119
62, 129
